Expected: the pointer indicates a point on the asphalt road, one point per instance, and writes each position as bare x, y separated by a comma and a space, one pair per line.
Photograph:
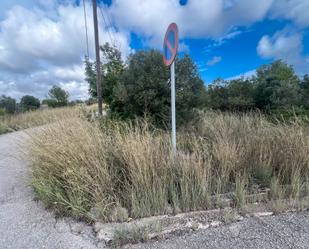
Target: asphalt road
272, 232
26, 224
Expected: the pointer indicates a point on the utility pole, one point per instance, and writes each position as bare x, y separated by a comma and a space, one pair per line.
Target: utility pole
97, 53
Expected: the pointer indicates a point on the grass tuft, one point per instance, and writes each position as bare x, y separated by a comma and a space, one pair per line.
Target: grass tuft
113, 170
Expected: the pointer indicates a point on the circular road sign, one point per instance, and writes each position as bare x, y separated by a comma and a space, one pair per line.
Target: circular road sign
170, 45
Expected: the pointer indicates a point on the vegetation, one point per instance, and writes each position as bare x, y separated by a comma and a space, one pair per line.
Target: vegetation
29, 119
26, 113
122, 166
7, 104
89, 170
29, 103
112, 69
275, 90
142, 88
57, 97
126, 236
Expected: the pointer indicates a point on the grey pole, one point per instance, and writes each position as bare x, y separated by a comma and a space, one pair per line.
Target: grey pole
173, 107
97, 52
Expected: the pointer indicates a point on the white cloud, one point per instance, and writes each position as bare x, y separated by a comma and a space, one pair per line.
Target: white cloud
38, 83
196, 19
215, 60
285, 46
295, 10
46, 45
245, 75
42, 42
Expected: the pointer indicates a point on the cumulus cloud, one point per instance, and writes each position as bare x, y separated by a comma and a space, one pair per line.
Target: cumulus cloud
295, 10
196, 19
285, 46
42, 42
215, 60
40, 49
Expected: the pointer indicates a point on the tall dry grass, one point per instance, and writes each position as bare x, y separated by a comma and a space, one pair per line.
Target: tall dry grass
38, 117
110, 170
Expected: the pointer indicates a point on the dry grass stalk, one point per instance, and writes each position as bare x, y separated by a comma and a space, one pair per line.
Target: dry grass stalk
81, 167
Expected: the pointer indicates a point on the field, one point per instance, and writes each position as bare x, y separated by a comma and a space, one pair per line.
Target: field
9, 123
112, 170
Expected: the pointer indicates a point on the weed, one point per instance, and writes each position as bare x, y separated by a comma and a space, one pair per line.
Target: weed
240, 191
132, 236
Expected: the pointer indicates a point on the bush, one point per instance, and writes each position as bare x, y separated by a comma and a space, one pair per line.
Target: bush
2, 112
8, 103
29, 103
51, 103
144, 89
79, 167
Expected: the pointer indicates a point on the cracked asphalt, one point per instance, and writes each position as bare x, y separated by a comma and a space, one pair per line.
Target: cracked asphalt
273, 232
26, 224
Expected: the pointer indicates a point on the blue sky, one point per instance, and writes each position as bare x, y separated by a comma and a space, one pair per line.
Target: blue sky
42, 42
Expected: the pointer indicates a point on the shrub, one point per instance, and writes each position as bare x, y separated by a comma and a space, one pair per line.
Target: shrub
8, 103
2, 112
29, 103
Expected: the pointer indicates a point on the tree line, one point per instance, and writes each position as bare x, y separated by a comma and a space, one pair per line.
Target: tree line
140, 86
57, 97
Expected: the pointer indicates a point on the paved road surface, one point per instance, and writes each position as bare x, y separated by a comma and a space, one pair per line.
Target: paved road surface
273, 232
25, 224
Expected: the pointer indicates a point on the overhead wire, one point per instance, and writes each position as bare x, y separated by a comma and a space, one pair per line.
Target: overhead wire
110, 22
112, 39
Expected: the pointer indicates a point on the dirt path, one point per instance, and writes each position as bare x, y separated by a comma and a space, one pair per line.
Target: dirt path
26, 224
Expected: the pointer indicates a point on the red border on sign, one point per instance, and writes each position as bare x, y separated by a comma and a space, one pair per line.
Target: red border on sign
172, 27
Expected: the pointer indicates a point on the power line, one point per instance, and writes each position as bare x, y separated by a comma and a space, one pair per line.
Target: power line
111, 25
112, 39
86, 29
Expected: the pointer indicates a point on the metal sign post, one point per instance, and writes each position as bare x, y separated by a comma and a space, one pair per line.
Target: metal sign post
173, 107
170, 48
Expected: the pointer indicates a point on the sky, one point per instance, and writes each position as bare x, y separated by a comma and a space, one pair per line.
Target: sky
43, 42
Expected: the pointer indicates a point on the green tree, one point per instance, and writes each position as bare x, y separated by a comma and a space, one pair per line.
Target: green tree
29, 102
58, 96
233, 95
276, 86
190, 89
8, 104
144, 88
240, 95
111, 70
305, 91
49, 102
217, 95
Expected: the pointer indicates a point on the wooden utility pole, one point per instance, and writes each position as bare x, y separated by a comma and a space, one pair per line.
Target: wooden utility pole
97, 53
